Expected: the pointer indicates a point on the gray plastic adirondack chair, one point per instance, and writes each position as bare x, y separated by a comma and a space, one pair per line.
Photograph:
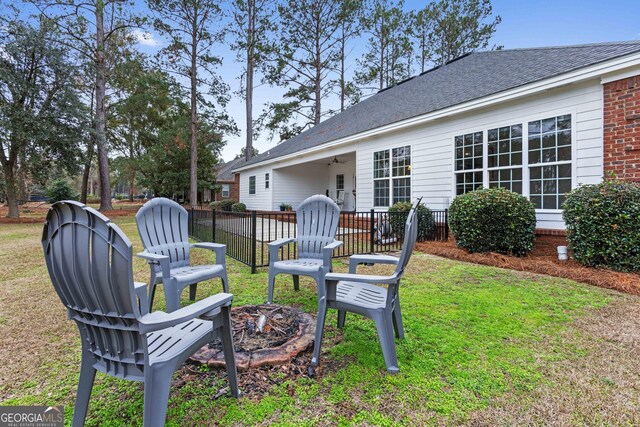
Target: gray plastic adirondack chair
89, 260
162, 225
362, 294
317, 223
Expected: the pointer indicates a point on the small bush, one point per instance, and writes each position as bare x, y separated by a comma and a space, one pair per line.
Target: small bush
398, 217
60, 189
239, 207
493, 220
223, 205
603, 225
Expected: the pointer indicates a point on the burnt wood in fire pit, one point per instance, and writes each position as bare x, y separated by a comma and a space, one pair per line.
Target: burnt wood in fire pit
268, 334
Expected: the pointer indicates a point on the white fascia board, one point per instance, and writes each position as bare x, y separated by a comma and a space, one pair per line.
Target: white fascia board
586, 73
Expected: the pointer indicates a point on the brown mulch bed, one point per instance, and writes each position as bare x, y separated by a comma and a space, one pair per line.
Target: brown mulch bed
542, 260
35, 213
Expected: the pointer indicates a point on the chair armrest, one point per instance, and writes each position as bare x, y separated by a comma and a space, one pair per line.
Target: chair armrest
361, 278
276, 245
161, 320
327, 251
143, 296
355, 260
156, 259
219, 249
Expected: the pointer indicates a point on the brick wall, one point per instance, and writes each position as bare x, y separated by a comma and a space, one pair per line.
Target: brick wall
622, 129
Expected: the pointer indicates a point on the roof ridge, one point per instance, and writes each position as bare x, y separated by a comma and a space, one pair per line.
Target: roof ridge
568, 46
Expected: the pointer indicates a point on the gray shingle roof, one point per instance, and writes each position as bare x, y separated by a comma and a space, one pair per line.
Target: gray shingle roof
224, 170
470, 77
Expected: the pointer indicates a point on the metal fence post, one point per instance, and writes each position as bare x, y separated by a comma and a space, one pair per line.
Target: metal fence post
372, 231
254, 239
213, 225
446, 225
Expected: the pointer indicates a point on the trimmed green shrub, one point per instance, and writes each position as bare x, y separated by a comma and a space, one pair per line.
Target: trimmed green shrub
603, 225
60, 189
239, 207
223, 205
398, 217
493, 220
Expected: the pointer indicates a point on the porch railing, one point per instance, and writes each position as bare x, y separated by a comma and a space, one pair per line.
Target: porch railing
247, 234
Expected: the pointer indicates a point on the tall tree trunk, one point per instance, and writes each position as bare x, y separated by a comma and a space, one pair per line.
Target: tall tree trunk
87, 171
342, 71
317, 83
11, 189
193, 194
251, 16
101, 139
132, 180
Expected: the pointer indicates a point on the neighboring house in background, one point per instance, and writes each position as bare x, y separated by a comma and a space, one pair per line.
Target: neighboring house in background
228, 181
538, 121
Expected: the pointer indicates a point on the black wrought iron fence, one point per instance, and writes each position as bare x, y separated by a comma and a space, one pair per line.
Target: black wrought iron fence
248, 234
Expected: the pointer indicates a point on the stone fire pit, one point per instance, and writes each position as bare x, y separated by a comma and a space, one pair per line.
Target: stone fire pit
267, 334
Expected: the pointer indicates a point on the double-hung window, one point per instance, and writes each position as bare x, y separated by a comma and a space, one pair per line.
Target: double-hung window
504, 157
549, 161
531, 158
392, 176
252, 185
225, 190
468, 162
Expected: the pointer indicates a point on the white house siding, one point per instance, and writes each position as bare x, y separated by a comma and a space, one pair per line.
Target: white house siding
348, 169
432, 174
296, 183
262, 199
432, 150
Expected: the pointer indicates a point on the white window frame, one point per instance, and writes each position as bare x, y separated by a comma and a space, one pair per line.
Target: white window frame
254, 185
498, 168
572, 162
483, 170
524, 120
338, 188
390, 178
228, 190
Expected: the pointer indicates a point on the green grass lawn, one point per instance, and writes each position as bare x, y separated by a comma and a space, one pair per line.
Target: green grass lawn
483, 346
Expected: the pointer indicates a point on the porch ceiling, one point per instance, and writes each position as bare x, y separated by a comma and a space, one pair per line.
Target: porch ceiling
327, 161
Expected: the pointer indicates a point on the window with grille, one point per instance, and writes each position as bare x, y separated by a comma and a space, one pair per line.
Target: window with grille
549, 161
392, 176
468, 162
504, 157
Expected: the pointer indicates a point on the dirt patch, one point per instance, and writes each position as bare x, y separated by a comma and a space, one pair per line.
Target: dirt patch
259, 382
599, 385
542, 260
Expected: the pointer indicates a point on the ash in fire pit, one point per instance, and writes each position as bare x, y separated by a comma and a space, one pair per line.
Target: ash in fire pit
263, 335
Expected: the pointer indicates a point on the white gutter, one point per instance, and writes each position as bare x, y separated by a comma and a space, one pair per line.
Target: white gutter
582, 74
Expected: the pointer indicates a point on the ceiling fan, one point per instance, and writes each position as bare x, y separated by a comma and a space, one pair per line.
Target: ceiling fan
335, 161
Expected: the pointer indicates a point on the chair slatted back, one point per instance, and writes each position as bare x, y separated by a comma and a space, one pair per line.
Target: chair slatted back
410, 237
89, 260
317, 221
162, 225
